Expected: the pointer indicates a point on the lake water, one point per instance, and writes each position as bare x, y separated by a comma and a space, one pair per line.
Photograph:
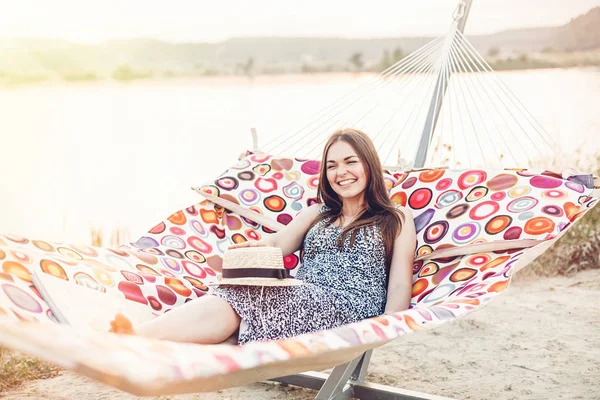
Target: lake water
124, 156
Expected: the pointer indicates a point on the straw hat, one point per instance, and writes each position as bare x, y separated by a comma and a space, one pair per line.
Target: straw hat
255, 266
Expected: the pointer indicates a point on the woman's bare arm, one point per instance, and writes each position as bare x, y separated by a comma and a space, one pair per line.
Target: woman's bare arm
290, 238
400, 282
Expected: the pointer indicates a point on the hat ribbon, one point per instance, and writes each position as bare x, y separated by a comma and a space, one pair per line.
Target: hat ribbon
255, 273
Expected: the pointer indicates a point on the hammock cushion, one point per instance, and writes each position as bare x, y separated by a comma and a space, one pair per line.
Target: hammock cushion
175, 260
457, 208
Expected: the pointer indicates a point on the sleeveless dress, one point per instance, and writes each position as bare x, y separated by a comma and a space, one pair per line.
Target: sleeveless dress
341, 286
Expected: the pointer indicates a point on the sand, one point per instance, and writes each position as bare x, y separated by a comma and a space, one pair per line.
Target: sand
538, 340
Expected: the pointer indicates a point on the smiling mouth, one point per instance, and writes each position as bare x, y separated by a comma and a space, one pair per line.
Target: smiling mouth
346, 182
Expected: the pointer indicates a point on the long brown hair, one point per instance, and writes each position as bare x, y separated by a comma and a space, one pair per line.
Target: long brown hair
379, 209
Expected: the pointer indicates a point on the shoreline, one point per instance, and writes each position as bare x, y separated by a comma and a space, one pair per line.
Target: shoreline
296, 77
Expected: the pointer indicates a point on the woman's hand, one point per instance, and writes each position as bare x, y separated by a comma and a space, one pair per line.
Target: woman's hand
251, 243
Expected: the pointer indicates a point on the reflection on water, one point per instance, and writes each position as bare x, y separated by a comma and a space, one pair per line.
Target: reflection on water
124, 156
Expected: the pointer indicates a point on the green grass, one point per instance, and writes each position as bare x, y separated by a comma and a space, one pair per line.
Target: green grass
8, 79
80, 77
577, 250
125, 73
16, 369
520, 63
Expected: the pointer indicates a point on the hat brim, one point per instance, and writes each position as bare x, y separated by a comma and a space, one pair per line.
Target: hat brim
256, 282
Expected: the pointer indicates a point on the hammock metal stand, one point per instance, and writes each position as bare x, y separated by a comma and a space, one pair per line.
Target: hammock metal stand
348, 381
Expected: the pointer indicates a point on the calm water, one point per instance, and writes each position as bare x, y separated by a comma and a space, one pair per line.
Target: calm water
124, 156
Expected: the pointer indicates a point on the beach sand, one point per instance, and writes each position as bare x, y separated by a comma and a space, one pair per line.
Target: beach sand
538, 340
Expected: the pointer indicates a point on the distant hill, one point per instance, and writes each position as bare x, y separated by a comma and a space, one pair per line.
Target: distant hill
581, 33
31, 56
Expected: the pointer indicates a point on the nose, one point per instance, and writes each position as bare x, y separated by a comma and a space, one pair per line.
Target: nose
342, 171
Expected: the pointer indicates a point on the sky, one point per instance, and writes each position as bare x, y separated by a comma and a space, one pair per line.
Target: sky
212, 21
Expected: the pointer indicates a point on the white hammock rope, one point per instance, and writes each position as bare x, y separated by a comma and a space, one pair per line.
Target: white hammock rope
460, 118
423, 78
441, 143
392, 148
469, 49
342, 103
426, 65
436, 156
420, 62
484, 121
477, 78
417, 78
505, 93
419, 108
426, 73
420, 74
359, 93
440, 91
449, 105
458, 81
498, 112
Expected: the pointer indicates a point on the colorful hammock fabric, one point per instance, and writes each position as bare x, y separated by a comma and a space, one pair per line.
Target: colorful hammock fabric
474, 227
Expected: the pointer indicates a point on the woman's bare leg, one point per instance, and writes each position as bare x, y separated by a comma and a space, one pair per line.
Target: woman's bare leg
205, 320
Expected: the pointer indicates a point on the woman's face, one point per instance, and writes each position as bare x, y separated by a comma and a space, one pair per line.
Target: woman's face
345, 171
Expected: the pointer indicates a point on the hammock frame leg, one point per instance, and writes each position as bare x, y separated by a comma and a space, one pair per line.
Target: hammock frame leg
348, 381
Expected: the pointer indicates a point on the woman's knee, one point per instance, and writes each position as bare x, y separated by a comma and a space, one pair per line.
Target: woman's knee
222, 309
224, 320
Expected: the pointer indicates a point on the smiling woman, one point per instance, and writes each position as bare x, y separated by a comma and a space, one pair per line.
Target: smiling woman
357, 262
354, 190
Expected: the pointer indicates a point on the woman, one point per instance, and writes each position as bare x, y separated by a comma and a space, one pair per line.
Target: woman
356, 245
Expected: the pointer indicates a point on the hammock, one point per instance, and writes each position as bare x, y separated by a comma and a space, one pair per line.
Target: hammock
475, 228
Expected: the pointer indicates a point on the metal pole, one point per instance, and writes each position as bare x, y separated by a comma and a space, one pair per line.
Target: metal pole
465, 14
435, 106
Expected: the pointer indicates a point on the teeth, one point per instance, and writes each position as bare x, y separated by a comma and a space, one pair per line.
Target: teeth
346, 182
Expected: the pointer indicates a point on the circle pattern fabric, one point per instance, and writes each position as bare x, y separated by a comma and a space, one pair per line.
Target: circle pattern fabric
482, 206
